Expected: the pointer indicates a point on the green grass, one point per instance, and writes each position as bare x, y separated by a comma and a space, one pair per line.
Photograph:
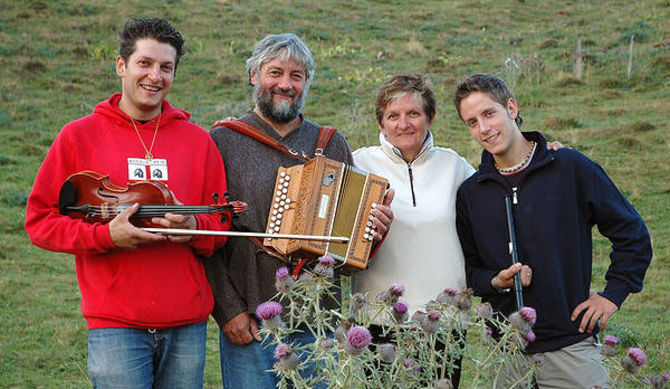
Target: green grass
57, 62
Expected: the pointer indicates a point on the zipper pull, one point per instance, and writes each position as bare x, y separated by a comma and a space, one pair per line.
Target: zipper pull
514, 199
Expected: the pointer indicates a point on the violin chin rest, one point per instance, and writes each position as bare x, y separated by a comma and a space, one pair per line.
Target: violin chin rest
67, 197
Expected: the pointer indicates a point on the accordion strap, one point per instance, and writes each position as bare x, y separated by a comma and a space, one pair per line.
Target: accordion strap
247, 129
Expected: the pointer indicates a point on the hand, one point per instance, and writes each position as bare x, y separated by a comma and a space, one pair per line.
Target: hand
126, 235
172, 220
242, 329
382, 215
596, 307
506, 276
554, 145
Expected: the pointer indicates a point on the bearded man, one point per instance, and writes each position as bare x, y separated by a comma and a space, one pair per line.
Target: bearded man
242, 275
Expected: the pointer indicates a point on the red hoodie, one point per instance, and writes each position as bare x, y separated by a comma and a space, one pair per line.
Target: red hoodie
155, 286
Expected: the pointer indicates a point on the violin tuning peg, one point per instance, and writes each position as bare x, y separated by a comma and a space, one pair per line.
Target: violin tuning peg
227, 196
215, 196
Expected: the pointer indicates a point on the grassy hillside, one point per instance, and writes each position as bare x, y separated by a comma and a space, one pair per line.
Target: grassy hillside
57, 62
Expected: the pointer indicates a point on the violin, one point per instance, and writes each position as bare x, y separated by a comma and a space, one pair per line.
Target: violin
92, 197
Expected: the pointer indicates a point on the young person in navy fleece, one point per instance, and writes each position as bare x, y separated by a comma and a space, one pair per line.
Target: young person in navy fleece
557, 196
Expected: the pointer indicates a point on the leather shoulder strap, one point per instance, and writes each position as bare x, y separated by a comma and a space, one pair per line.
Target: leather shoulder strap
325, 133
247, 129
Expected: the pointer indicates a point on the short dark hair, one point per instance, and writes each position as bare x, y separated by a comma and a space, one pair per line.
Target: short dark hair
155, 28
485, 83
400, 85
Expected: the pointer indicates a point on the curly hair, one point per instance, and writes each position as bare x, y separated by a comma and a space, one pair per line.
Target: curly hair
155, 28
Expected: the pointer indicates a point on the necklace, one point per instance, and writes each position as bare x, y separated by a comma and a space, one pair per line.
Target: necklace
148, 156
520, 165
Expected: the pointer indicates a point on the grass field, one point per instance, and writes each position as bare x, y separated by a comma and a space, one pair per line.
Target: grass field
57, 62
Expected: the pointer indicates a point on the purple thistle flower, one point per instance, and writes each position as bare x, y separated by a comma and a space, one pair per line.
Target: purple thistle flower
288, 360
519, 322
282, 272
325, 267
658, 381
397, 290
268, 310
400, 312
386, 352
284, 281
326, 260
489, 331
443, 383
634, 360
448, 296
637, 355
282, 351
400, 307
530, 336
431, 322
529, 315
358, 338
485, 311
611, 340
608, 348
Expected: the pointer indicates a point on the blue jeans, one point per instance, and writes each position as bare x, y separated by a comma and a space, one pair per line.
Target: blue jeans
247, 366
137, 358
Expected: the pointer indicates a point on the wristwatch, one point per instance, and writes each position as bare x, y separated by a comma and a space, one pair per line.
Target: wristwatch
494, 284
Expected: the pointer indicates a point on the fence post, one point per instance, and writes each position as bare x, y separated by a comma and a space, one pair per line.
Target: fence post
630, 56
578, 59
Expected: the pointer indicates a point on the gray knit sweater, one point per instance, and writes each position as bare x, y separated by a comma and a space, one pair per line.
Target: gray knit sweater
242, 276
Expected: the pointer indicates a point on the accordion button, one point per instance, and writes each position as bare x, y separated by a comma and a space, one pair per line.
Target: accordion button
365, 236
278, 193
286, 206
282, 202
277, 228
273, 218
367, 229
288, 177
279, 216
369, 223
288, 201
284, 190
277, 199
282, 174
276, 205
274, 211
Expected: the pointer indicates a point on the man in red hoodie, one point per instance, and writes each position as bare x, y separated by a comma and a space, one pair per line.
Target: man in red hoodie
145, 297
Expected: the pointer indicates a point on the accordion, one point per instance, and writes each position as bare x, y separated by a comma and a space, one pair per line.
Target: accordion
326, 198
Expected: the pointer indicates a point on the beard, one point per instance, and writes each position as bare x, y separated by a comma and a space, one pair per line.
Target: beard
282, 112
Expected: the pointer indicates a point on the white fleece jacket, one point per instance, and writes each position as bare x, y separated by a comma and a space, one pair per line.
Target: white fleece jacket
422, 250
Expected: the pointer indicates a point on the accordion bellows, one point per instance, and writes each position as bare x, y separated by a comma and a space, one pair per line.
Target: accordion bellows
326, 198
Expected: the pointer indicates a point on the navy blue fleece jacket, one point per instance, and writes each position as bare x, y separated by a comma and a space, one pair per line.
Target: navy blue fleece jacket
561, 196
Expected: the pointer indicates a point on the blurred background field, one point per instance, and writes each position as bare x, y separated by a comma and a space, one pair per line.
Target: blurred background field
57, 62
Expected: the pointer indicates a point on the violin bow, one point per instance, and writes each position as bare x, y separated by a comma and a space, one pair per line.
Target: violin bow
177, 231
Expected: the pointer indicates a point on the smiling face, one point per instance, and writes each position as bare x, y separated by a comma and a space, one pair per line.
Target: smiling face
405, 124
147, 76
492, 125
279, 88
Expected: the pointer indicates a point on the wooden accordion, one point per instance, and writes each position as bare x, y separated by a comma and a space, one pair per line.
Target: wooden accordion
327, 198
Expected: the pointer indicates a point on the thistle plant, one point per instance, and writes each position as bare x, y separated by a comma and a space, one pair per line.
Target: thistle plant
420, 351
